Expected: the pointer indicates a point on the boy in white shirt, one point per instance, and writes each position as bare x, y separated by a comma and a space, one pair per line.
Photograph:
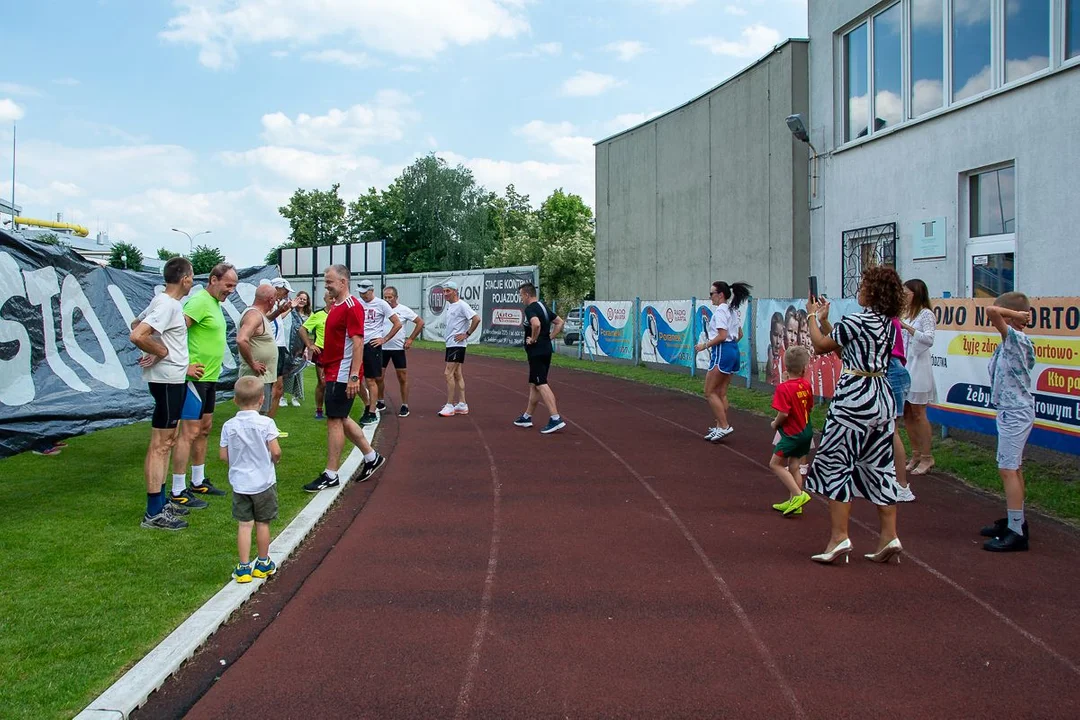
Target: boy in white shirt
249, 445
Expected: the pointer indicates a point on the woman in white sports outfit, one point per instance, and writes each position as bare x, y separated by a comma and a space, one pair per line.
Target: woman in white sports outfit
723, 346
919, 325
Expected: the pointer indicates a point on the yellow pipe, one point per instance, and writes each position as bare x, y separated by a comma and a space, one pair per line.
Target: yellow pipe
77, 229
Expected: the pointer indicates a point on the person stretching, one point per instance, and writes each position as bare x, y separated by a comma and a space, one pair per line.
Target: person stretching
723, 345
461, 322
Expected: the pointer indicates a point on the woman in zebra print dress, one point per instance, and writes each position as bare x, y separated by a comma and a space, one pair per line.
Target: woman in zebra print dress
855, 458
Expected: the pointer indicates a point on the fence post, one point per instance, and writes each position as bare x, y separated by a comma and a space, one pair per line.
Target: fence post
581, 334
637, 331
693, 336
750, 340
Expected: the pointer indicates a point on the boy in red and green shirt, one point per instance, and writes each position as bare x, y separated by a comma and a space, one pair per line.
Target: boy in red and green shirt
792, 401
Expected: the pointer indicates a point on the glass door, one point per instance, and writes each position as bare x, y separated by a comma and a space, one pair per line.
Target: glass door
990, 268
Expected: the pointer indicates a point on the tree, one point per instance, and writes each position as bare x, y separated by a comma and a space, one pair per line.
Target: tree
51, 238
125, 256
316, 217
204, 258
166, 255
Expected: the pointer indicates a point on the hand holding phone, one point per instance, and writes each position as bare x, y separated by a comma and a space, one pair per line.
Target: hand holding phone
813, 287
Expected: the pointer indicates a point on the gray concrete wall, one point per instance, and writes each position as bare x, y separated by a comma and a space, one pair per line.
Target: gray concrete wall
918, 171
714, 190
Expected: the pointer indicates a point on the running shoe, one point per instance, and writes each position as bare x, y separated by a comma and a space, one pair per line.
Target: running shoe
523, 421
553, 425
370, 468
295, 402
461, 409
207, 488
404, 411
905, 495
369, 418
60, 444
711, 435
242, 572
796, 503
264, 569
176, 510
781, 506
319, 415
722, 433
163, 521
186, 499
1009, 542
380, 405
49, 452
323, 482
282, 402
1000, 527
447, 410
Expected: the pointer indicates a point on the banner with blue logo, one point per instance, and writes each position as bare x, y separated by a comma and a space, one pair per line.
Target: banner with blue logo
667, 333
609, 329
702, 317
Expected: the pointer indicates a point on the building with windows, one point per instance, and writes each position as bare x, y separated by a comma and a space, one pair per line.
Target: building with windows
946, 138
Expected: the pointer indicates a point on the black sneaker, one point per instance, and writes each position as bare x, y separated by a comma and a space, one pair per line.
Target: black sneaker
370, 468
380, 405
524, 421
323, 482
1009, 542
1000, 527
163, 521
369, 418
175, 509
207, 488
404, 411
186, 499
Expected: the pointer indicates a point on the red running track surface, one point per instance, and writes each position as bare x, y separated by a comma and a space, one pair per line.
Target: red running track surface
626, 568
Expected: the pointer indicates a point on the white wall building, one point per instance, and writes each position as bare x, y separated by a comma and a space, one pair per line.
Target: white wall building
948, 135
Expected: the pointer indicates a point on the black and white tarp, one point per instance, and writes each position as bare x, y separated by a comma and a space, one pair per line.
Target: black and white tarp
67, 366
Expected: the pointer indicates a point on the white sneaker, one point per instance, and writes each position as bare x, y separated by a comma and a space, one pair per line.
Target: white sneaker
295, 402
461, 409
711, 435
282, 403
905, 495
722, 433
447, 410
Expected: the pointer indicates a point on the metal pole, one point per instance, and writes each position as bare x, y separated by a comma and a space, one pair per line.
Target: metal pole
749, 319
637, 331
581, 333
13, 130
693, 336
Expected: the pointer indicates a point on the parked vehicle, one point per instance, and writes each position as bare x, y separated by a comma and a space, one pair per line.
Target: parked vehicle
572, 327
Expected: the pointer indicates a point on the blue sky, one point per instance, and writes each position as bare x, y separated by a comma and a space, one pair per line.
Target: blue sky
137, 116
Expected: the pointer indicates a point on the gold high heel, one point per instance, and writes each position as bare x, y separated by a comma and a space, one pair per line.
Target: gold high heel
841, 550
886, 553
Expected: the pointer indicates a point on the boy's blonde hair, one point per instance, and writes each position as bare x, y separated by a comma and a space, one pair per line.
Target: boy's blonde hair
248, 392
796, 358
1017, 301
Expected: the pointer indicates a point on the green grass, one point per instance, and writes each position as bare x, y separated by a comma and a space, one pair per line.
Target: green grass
84, 591
1050, 487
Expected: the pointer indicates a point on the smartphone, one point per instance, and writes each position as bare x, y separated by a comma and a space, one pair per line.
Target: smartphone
813, 287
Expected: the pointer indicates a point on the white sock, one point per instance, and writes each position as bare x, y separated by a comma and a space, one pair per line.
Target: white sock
179, 484
198, 474
332, 474
1016, 521
369, 457
527, 416
556, 418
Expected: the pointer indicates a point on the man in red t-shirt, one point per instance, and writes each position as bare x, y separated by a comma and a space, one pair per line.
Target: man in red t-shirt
792, 401
342, 360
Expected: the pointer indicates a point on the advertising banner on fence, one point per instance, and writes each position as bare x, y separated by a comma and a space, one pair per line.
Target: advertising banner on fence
961, 354
67, 366
609, 329
667, 332
783, 323
702, 318
493, 294
470, 289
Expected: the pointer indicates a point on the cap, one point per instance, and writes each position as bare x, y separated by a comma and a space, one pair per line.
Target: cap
280, 282
449, 285
365, 285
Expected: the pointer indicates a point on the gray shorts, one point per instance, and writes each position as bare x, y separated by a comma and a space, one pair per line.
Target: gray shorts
1013, 428
261, 507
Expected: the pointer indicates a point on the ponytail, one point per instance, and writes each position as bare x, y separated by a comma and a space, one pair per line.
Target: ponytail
735, 293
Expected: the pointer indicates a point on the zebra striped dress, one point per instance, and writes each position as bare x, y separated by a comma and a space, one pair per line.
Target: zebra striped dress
855, 458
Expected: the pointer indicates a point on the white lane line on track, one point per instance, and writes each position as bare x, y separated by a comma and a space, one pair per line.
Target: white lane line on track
725, 590
1005, 619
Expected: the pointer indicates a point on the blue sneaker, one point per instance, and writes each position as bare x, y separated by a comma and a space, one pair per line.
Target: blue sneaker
523, 421
553, 426
242, 573
264, 568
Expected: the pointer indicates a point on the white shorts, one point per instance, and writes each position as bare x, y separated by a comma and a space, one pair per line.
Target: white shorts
1013, 429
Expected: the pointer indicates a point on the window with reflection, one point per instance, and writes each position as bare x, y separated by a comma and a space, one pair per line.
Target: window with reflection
888, 82
993, 202
856, 84
927, 56
1027, 37
971, 68
1072, 29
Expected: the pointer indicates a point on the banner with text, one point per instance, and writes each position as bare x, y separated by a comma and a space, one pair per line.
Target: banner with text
701, 322
493, 294
963, 345
667, 332
782, 324
67, 366
609, 329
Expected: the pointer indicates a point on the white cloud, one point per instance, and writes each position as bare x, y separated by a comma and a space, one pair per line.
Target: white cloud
418, 28
629, 120
533, 178
9, 111
539, 131
735, 10
627, 50
672, 4
304, 167
384, 120
66, 81
756, 40
340, 57
548, 49
11, 88
927, 96
587, 83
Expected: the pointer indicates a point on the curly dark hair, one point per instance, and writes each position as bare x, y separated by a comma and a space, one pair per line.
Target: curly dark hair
882, 292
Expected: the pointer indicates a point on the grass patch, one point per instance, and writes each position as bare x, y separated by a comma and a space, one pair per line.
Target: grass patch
86, 592
1050, 487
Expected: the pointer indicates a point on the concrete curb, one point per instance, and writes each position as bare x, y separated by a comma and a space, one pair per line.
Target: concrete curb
131, 690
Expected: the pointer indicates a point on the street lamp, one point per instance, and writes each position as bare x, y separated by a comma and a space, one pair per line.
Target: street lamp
798, 129
191, 238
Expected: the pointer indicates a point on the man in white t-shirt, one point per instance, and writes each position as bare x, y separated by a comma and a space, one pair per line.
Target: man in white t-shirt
161, 333
461, 322
393, 350
380, 324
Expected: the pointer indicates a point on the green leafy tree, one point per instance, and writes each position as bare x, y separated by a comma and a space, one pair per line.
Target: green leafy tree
316, 217
166, 255
125, 256
204, 258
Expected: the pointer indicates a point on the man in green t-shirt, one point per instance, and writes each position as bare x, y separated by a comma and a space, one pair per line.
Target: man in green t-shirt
312, 334
206, 346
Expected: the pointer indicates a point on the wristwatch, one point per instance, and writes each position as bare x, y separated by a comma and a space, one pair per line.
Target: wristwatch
354, 378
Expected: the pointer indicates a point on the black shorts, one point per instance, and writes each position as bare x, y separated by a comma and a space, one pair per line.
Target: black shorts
207, 392
395, 356
337, 401
168, 402
282, 359
538, 369
455, 354
373, 361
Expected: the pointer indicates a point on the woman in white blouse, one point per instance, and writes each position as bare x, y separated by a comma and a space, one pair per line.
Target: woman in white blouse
919, 325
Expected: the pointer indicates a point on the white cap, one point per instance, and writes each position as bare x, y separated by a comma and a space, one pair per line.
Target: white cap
280, 282
450, 285
365, 285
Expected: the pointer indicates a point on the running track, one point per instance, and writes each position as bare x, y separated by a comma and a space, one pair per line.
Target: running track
626, 568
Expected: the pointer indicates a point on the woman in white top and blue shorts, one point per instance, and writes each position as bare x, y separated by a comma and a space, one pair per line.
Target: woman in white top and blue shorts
723, 347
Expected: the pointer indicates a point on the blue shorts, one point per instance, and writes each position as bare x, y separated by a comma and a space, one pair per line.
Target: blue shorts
725, 357
1013, 428
899, 382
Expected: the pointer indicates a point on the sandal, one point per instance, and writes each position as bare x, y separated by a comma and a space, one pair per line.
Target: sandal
923, 469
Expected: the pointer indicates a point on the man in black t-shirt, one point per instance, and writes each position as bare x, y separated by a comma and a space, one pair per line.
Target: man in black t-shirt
540, 326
